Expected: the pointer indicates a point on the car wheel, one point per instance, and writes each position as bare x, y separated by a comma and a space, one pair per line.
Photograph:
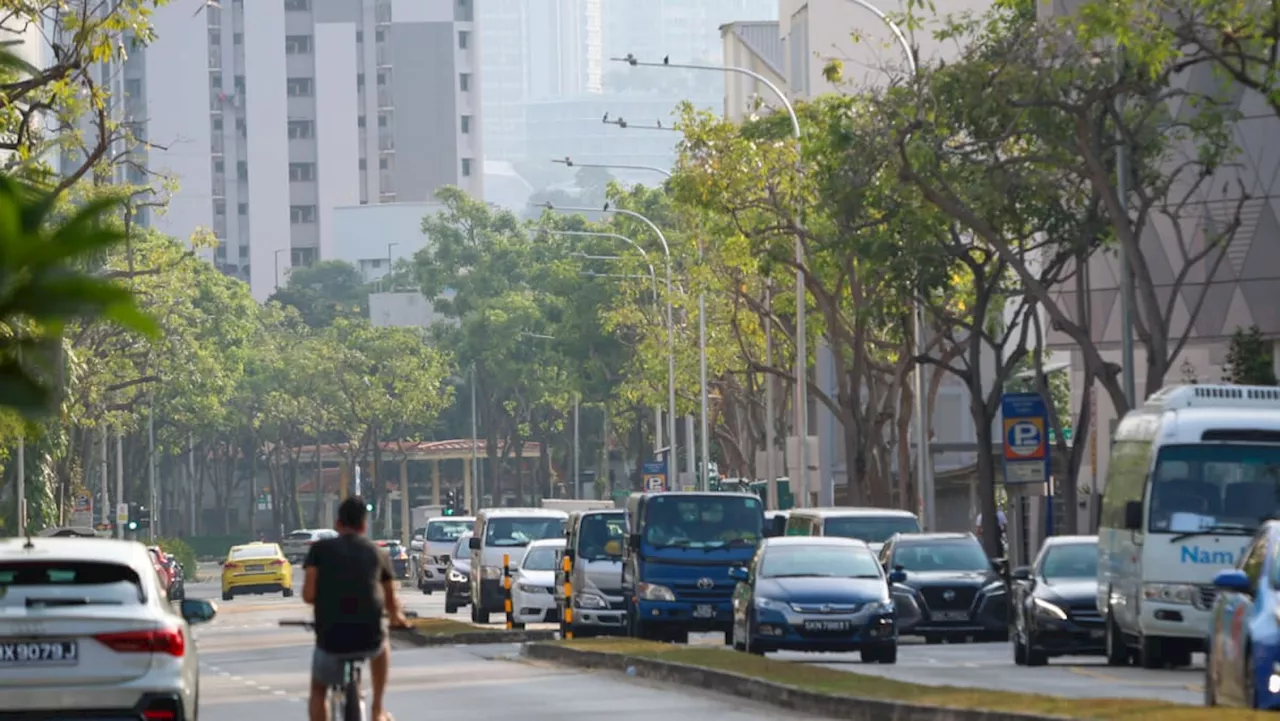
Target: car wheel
728, 638
288, 592
748, 643
1035, 656
226, 595
1150, 653
933, 640
887, 654
1117, 651
449, 606
1019, 651
1181, 659
482, 615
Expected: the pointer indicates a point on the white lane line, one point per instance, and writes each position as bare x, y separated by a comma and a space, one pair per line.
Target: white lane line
237, 678
278, 692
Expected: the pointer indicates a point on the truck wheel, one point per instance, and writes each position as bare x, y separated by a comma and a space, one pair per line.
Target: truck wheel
1117, 650
449, 606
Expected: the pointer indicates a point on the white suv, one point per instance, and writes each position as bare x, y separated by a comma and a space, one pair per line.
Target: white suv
86, 630
298, 543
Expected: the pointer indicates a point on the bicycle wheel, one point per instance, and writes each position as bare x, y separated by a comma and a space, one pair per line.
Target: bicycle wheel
352, 706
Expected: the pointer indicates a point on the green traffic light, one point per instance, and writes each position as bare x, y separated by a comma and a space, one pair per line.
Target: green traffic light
448, 511
368, 507
133, 525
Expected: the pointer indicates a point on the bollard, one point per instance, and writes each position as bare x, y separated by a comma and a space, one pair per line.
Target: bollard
566, 616
506, 591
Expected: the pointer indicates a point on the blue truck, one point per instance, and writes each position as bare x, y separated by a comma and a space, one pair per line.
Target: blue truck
680, 549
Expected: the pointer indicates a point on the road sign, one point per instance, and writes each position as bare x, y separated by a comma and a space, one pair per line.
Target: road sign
1026, 438
122, 513
655, 476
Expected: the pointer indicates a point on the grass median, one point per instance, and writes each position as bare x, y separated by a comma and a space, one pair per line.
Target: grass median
447, 627
823, 680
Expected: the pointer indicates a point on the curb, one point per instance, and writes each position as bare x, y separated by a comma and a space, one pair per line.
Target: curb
750, 688
412, 636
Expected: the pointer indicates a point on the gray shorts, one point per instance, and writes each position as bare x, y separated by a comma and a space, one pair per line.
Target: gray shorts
326, 668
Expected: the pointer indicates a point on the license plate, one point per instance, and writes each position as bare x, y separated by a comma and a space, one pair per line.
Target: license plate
704, 611
827, 626
950, 615
39, 653
1097, 634
253, 568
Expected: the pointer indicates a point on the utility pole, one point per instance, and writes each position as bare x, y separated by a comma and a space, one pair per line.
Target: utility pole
577, 474
467, 495
119, 479
769, 411
191, 478
152, 527
22, 484
105, 477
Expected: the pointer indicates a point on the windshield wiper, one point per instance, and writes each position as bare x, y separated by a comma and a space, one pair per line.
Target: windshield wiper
56, 602
1233, 529
800, 575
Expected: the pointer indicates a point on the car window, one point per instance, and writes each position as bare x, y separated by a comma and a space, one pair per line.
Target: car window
815, 560
460, 550
1070, 560
446, 531
946, 556
263, 551
26, 584
542, 558
300, 536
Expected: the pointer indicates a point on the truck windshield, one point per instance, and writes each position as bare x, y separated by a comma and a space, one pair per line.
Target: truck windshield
446, 531
702, 521
596, 531
521, 531
872, 529
1212, 487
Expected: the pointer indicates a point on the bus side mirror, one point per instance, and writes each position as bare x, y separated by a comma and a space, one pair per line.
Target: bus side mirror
1133, 515
474, 543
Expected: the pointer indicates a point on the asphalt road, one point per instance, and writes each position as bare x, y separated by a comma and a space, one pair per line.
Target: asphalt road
254, 670
253, 620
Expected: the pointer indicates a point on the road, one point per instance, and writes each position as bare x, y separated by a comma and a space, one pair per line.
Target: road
253, 620
254, 670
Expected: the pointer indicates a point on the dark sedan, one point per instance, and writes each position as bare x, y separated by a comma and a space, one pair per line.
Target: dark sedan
945, 588
457, 585
808, 593
1055, 603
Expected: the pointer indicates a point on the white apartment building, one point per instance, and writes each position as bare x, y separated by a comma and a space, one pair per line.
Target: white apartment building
271, 114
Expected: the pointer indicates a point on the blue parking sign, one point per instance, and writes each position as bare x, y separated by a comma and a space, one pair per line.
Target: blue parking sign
1025, 438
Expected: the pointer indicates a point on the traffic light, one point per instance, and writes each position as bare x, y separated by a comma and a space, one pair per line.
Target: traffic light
450, 503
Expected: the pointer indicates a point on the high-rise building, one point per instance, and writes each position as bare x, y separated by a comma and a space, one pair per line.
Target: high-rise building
269, 114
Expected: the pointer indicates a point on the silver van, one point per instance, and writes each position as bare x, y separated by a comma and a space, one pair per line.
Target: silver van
872, 525
504, 532
594, 543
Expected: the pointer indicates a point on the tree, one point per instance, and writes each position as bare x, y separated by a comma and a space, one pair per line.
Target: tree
1250, 359
325, 291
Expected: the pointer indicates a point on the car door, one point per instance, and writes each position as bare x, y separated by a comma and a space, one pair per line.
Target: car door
1235, 610
743, 595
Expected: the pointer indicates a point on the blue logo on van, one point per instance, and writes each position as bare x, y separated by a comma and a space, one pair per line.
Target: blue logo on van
1210, 556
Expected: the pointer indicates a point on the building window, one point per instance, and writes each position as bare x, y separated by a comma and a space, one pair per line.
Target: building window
215, 81
359, 80
382, 120
219, 207
466, 124
302, 172
360, 123
219, 166
382, 13
133, 87
242, 209
383, 75
242, 170
240, 84
464, 38
297, 44
359, 36
301, 129
302, 256
241, 126
379, 35
376, 263
215, 38
466, 167
383, 163
364, 164
244, 251
464, 82
300, 87
238, 38
302, 214
297, 5
217, 124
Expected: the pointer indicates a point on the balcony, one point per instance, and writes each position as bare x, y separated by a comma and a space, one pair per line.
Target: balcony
384, 56
386, 143
216, 145
384, 98
219, 185
215, 58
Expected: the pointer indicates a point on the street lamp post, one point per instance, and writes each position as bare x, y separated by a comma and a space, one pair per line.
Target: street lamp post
802, 350
277, 265
671, 334
622, 123
570, 163
467, 493
390, 261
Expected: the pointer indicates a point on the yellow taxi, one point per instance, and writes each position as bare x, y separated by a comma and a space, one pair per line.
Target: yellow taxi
256, 568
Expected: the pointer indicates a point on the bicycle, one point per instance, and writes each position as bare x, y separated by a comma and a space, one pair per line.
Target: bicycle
346, 700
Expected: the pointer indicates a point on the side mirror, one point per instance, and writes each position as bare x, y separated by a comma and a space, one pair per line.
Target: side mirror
738, 573
1233, 580
1133, 515
1021, 573
195, 610
999, 565
474, 544
897, 575
633, 541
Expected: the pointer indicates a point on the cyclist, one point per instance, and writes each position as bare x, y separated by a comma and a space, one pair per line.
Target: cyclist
350, 581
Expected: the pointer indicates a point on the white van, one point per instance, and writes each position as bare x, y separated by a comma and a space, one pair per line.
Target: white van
1193, 474
499, 532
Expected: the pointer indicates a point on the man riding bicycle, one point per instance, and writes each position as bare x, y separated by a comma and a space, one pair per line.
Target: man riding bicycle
350, 581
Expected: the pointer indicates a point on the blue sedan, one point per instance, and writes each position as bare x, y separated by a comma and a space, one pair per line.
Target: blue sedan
815, 593
1243, 666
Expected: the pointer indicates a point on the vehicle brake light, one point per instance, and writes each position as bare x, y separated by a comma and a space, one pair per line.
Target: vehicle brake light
277, 562
159, 714
231, 566
160, 640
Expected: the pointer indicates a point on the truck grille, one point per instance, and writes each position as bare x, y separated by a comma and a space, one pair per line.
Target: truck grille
690, 592
949, 599
1205, 598
1085, 614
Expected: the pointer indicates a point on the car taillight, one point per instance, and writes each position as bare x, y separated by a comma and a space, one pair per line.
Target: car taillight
159, 714
160, 640
230, 566
277, 562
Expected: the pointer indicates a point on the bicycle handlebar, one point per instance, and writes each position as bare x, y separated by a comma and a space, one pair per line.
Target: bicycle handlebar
303, 624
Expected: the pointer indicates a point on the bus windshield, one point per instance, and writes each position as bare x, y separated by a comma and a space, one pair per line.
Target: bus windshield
703, 521
1214, 487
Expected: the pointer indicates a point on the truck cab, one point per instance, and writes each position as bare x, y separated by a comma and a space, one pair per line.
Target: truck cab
676, 568
594, 543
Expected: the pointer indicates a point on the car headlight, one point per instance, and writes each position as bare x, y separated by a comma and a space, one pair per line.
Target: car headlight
1049, 610
1176, 593
879, 608
768, 604
490, 573
456, 577
432, 560
529, 588
590, 600
654, 592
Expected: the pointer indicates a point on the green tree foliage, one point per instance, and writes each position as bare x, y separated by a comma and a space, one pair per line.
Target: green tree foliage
325, 291
1250, 359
